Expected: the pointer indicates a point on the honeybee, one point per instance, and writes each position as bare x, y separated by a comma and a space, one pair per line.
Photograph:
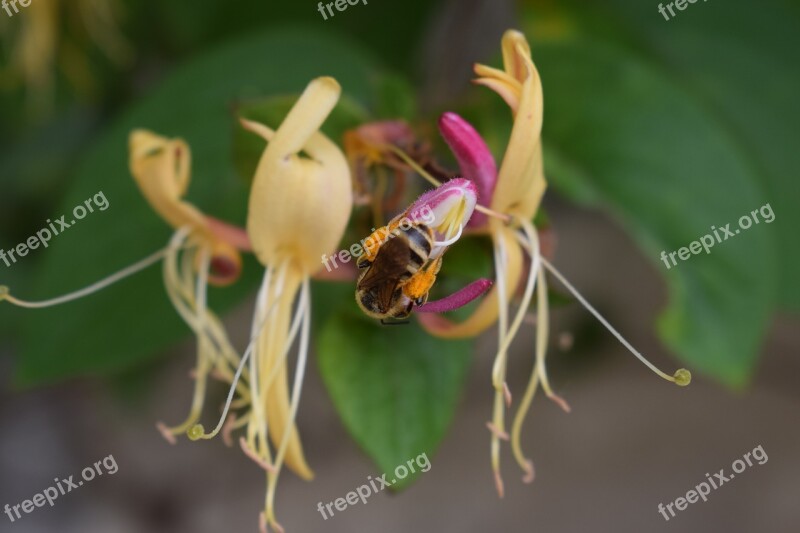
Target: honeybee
397, 272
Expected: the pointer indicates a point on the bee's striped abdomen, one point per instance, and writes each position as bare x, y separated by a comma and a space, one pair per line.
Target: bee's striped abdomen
419, 243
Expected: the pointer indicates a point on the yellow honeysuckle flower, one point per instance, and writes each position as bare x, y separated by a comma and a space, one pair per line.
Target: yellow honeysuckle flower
202, 251
300, 202
198, 254
161, 168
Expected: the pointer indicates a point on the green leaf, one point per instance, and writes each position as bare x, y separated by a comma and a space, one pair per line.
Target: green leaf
740, 63
131, 321
395, 98
621, 134
395, 387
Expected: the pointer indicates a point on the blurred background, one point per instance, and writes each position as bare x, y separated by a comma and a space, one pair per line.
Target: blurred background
654, 131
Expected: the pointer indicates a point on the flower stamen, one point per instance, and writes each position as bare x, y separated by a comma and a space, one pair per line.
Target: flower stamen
86, 291
681, 377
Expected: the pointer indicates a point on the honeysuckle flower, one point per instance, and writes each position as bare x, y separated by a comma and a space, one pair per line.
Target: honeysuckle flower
367, 151
509, 198
445, 211
202, 251
300, 202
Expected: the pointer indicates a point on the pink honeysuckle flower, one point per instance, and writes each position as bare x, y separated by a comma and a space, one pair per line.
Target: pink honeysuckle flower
444, 211
508, 200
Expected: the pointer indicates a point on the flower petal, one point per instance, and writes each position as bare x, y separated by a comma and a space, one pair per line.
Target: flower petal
458, 299
161, 168
474, 158
445, 209
299, 206
486, 313
521, 182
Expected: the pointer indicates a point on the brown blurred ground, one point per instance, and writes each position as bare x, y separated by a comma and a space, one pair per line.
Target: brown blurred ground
631, 442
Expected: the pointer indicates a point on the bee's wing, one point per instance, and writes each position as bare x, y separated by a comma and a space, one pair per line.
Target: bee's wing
384, 274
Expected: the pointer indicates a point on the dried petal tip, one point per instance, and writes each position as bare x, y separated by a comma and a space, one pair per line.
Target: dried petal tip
530, 473
682, 377
166, 433
3, 292
196, 432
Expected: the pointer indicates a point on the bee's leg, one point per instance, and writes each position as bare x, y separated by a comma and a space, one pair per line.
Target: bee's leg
399, 318
418, 285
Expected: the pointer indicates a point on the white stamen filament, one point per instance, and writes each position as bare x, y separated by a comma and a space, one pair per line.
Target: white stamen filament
681, 376
297, 387
448, 242
247, 356
531, 245
542, 329
499, 367
100, 285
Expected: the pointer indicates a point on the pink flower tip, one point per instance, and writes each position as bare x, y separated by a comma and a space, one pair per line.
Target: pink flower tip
474, 158
458, 299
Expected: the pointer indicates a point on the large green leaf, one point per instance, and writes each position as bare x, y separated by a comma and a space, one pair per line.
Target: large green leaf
739, 61
132, 320
395, 387
622, 134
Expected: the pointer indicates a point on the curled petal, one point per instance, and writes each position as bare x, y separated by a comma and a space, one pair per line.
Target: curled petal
298, 204
474, 158
520, 182
508, 92
445, 209
458, 299
161, 168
